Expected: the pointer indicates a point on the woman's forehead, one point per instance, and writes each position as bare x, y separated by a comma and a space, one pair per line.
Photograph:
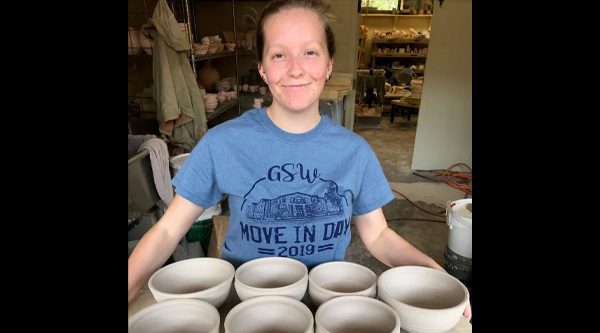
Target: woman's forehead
296, 24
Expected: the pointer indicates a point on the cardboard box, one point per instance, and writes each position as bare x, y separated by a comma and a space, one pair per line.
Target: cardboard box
217, 236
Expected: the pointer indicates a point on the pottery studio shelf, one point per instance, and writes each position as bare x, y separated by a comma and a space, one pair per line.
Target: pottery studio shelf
221, 54
222, 107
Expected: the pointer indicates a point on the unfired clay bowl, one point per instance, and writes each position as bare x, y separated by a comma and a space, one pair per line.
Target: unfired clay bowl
176, 315
340, 278
261, 314
356, 314
426, 300
271, 276
207, 279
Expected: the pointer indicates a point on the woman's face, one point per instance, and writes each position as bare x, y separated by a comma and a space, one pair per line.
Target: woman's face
295, 59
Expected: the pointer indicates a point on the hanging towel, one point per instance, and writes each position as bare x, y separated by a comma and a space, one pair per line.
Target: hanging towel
159, 160
180, 108
135, 141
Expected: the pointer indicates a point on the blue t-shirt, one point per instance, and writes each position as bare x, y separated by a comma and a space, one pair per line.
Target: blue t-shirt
290, 195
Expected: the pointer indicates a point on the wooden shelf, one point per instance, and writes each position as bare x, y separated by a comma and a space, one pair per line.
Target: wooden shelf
222, 107
399, 41
398, 55
395, 15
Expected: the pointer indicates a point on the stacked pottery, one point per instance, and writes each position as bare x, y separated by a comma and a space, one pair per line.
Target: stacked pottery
200, 49
133, 41
210, 102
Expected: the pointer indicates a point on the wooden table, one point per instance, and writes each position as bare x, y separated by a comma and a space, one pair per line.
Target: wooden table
402, 103
144, 299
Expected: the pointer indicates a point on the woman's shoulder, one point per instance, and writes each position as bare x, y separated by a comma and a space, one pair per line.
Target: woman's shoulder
243, 123
345, 135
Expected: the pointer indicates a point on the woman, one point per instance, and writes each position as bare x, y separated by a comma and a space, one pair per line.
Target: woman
295, 179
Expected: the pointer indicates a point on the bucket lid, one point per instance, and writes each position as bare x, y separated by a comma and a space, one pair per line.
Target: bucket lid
176, 161
459, 213
210, 211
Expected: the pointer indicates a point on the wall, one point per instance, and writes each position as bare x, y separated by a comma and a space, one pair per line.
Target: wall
346, 32
345, 29
444, 130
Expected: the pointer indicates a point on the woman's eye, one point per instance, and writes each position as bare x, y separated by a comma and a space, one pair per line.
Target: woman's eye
311, 52
278, 56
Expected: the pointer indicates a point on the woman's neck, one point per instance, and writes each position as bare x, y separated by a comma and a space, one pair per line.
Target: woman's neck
294, 122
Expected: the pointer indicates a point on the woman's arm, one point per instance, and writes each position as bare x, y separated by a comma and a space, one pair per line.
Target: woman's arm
158, 243
391, 249
386, 245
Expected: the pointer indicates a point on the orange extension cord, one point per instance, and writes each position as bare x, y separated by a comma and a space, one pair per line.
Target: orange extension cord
460, 180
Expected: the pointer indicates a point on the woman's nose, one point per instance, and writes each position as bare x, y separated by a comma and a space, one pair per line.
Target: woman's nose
296, 68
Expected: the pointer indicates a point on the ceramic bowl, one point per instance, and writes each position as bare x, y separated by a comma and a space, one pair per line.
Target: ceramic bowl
210, 107
356, 314
212, 48
210, 98
176, 315
279, 314
426, 300
340, 278
207, 279
271, 276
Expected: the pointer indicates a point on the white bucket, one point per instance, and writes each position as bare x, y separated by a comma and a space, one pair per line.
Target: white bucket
175, 163
459, 217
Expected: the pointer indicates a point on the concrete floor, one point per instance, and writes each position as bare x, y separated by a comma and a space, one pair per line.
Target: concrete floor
393, 144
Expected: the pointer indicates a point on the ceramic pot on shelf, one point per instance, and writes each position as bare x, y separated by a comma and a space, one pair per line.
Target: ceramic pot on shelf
133, 41
208, 75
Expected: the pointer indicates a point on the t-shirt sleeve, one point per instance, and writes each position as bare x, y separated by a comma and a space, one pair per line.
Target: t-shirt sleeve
375, 190
196, 179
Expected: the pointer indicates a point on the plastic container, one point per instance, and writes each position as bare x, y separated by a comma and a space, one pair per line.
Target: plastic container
459, 217
333, 109
202, 228
176, 162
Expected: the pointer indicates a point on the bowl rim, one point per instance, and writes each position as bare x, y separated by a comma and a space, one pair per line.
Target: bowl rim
324, 265
302, 280
174, 265
238, 308
159, 306
381, 289
332, 302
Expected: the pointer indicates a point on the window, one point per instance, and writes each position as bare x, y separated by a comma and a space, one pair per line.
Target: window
380, 4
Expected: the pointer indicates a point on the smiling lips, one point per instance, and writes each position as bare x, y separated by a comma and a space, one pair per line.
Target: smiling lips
295, 85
